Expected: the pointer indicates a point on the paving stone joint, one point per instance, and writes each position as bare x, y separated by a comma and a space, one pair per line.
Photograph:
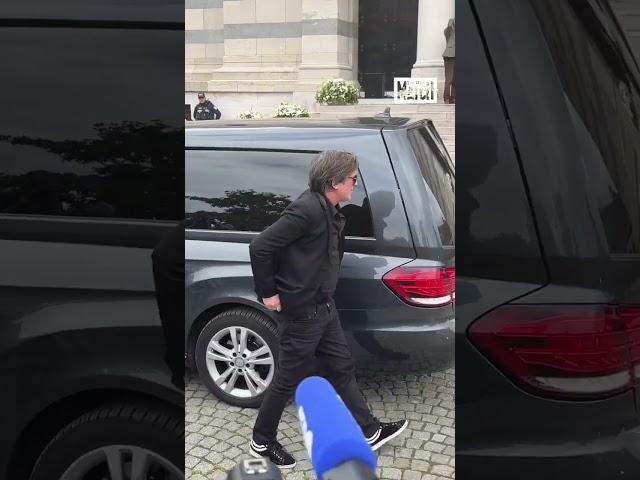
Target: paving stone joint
218, 434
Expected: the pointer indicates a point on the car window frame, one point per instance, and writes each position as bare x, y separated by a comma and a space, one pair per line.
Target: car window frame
356, 244
608, 37
435, 145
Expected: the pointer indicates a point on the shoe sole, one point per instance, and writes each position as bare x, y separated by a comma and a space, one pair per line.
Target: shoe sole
281, 467
390, 437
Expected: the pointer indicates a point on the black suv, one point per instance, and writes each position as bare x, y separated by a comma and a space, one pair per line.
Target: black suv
548, 301
87, 191
396, 288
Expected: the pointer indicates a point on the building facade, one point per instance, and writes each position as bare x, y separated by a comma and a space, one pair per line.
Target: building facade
253, 54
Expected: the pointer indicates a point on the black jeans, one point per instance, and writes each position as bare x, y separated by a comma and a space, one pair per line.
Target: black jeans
318, 333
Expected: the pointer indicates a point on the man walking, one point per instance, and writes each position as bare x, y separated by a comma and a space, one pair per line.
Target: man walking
449, 57
296, 262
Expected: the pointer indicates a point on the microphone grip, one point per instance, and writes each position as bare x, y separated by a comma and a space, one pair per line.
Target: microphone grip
350, 470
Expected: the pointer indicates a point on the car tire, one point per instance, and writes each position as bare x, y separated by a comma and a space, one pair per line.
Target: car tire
123, 432
263, 331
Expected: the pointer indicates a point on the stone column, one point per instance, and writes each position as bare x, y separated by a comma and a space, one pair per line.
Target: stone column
433, 16
261, 54
204, 47
329, 31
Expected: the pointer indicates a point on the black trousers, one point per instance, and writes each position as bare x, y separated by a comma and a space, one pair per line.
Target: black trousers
318, 333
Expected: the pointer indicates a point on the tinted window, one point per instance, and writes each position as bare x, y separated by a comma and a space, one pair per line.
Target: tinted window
128, 170
439, 181
600, 83
76, 145
247, 191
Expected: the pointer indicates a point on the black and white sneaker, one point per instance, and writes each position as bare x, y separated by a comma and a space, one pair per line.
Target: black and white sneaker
386, 432
274, 452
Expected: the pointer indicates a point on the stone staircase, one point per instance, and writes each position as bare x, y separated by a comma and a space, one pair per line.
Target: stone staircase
244, 79
442, 115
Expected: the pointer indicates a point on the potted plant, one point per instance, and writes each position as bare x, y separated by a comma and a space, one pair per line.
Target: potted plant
338, 92
286, 110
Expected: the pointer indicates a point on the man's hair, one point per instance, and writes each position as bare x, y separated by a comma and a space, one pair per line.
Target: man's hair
329, 167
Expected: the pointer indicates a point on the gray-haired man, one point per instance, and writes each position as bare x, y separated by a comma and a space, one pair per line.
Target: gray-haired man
308, 242
449, 57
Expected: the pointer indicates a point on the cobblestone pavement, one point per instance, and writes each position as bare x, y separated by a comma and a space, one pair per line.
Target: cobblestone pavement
218, 435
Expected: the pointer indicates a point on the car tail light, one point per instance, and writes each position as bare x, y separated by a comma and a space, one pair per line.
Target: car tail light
423, 286
575, 351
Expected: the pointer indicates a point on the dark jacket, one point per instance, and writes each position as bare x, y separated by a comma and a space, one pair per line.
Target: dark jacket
287, 257
450, 35
206, 111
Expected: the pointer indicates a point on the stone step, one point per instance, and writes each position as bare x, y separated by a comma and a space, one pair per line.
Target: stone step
379, 107
251, 86
443, 117
199, 77
448, 125
252, 74
394, 113
195, 86
433, 114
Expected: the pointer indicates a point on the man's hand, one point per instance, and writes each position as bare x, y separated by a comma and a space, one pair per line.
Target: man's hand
272, 303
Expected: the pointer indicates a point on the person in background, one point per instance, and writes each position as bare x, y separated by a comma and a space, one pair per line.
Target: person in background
205, 110
449, 56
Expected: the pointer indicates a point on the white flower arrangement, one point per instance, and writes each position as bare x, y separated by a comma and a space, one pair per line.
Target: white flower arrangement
338, 92
250, 114
285, 110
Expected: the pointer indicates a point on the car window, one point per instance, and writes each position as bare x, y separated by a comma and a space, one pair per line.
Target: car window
600, 84
93, 177
248, 190
439, 144
108, 157
439, 181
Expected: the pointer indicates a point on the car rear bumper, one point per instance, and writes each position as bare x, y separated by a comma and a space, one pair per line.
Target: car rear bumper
605, 458
404, 349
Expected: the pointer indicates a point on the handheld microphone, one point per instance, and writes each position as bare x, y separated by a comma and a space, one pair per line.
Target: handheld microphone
331, 434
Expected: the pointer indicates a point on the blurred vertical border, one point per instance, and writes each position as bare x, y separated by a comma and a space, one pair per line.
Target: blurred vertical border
91, 248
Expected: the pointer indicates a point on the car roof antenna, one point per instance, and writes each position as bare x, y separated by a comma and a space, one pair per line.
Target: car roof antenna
385, 114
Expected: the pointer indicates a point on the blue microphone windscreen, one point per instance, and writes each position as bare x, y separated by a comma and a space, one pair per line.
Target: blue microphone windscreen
330, 432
